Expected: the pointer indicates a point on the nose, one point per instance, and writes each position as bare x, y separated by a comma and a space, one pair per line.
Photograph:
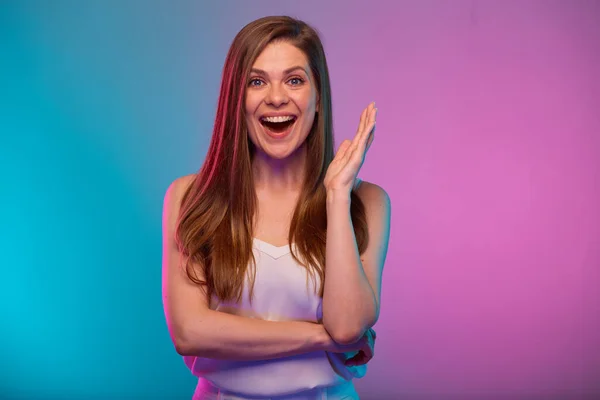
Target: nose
276, 95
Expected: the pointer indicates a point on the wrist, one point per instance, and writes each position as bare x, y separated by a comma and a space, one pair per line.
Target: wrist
337, 196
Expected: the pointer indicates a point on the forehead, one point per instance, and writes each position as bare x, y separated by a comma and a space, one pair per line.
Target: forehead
279, 56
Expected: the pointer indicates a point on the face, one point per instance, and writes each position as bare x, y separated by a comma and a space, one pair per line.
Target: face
281, 100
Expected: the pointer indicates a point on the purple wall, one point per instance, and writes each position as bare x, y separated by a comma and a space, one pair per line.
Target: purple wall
488, 142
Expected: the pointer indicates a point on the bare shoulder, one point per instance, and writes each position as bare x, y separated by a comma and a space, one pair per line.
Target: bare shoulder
172, 203
373, 196
176, 189
180, 184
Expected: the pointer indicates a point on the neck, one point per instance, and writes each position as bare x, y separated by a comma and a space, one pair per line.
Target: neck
279, 175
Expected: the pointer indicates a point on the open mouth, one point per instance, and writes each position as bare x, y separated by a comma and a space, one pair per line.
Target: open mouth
278, 125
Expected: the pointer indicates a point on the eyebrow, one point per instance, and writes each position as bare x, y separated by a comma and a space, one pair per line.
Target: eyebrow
287, 71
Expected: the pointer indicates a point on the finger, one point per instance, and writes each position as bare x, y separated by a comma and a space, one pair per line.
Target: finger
369, 136
374, 115
368, 128
364, 129
348, 155
358, 143
374, 121
350, 151
361, 126
343, 149
369, 118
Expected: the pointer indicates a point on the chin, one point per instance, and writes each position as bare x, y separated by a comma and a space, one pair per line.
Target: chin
278, 154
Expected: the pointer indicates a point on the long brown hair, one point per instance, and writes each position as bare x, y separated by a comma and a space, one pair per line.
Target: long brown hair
216, 220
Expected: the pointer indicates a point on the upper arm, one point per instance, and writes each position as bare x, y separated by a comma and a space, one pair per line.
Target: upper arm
378, 212
182, 299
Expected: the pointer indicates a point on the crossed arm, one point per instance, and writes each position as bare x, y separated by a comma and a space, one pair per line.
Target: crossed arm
197, 330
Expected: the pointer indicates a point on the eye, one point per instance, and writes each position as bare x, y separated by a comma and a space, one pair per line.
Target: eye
299, 81
253, 80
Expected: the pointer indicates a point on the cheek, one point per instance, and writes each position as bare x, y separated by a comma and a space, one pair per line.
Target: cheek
251, 129
252, 134
251, 103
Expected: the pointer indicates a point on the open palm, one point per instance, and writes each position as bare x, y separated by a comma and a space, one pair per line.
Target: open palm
350, 156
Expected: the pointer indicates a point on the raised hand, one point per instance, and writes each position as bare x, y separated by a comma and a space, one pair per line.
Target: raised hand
350, 156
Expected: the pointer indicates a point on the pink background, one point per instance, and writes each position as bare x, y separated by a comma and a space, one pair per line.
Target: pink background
487, 141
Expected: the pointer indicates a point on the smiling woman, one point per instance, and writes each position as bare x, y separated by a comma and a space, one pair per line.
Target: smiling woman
249, 241
282, 96
281, 99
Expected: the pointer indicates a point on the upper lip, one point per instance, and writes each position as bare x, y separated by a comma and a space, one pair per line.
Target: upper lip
278, 114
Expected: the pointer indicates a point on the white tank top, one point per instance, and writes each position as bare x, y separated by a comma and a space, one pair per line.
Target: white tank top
281, 292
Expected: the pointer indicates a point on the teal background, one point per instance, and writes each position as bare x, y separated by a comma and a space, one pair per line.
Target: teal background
487, 141
101, 105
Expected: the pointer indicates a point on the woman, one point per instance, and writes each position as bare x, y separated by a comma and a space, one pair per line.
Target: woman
247, 239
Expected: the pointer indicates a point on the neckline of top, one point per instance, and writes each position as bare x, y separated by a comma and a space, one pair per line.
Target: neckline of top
270, 249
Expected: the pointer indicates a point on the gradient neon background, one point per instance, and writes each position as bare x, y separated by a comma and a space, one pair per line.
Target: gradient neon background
488, 142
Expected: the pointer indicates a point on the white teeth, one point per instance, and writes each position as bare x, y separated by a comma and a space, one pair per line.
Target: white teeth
278, 119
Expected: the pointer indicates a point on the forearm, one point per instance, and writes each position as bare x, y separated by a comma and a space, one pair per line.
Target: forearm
349, 303
221, 335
